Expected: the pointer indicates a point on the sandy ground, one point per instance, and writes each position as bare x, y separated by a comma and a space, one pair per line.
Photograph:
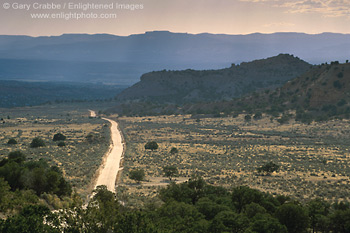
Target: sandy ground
110, 168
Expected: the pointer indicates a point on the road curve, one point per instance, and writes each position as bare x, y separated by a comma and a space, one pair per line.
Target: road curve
110, 168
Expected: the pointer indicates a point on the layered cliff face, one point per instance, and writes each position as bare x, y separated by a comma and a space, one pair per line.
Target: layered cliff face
208, 85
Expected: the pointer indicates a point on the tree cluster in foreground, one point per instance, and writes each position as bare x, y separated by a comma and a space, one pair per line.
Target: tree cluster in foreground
23, 182
193, 206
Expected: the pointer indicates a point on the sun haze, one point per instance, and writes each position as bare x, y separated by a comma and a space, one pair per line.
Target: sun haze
38, 17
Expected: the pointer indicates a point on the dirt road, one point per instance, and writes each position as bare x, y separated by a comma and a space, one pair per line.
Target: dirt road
110, 167
92, 113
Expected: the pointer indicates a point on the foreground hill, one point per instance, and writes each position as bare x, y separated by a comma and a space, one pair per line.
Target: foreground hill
319, 94
191, 85
323, 85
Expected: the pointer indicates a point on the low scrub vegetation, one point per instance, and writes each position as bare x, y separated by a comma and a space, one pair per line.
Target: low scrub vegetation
193, 206
61, 136
303, 161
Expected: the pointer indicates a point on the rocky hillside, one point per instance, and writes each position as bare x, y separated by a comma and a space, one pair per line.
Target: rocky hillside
323, 85
320, 94
191, 85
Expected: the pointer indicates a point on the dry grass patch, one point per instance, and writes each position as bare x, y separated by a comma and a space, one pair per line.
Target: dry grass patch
78, 159
313, 159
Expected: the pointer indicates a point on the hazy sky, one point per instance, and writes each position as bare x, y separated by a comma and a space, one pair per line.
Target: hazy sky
192, 16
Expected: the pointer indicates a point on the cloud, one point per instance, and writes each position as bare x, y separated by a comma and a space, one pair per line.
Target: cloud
259, 0
327, 8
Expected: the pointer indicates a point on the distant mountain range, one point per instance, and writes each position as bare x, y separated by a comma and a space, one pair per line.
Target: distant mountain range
123, 59
208, 85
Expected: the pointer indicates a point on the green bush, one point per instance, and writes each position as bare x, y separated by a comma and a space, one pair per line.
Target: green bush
34, 175
170, 171
151, 145
268, 168
12, 141
61, 144
37, 142
174, 150
258, 116
341, 102
284, 119
337, 84
59, 137
294, 217
137, 175
17, 156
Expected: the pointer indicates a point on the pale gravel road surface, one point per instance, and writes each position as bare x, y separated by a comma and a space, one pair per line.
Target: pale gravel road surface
92, 113
110, 168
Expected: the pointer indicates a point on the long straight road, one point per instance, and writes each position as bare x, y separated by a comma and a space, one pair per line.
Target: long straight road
110, 168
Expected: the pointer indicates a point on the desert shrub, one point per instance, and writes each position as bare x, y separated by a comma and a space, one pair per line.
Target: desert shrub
257, 116
37, 142
151, 145
174, 150
59, 137
34, 175
137, 175
331, 109
12, 141
268, 168
284, 119
61, 144
17, 156
93, 138
337, 84
170, 171
341, 102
